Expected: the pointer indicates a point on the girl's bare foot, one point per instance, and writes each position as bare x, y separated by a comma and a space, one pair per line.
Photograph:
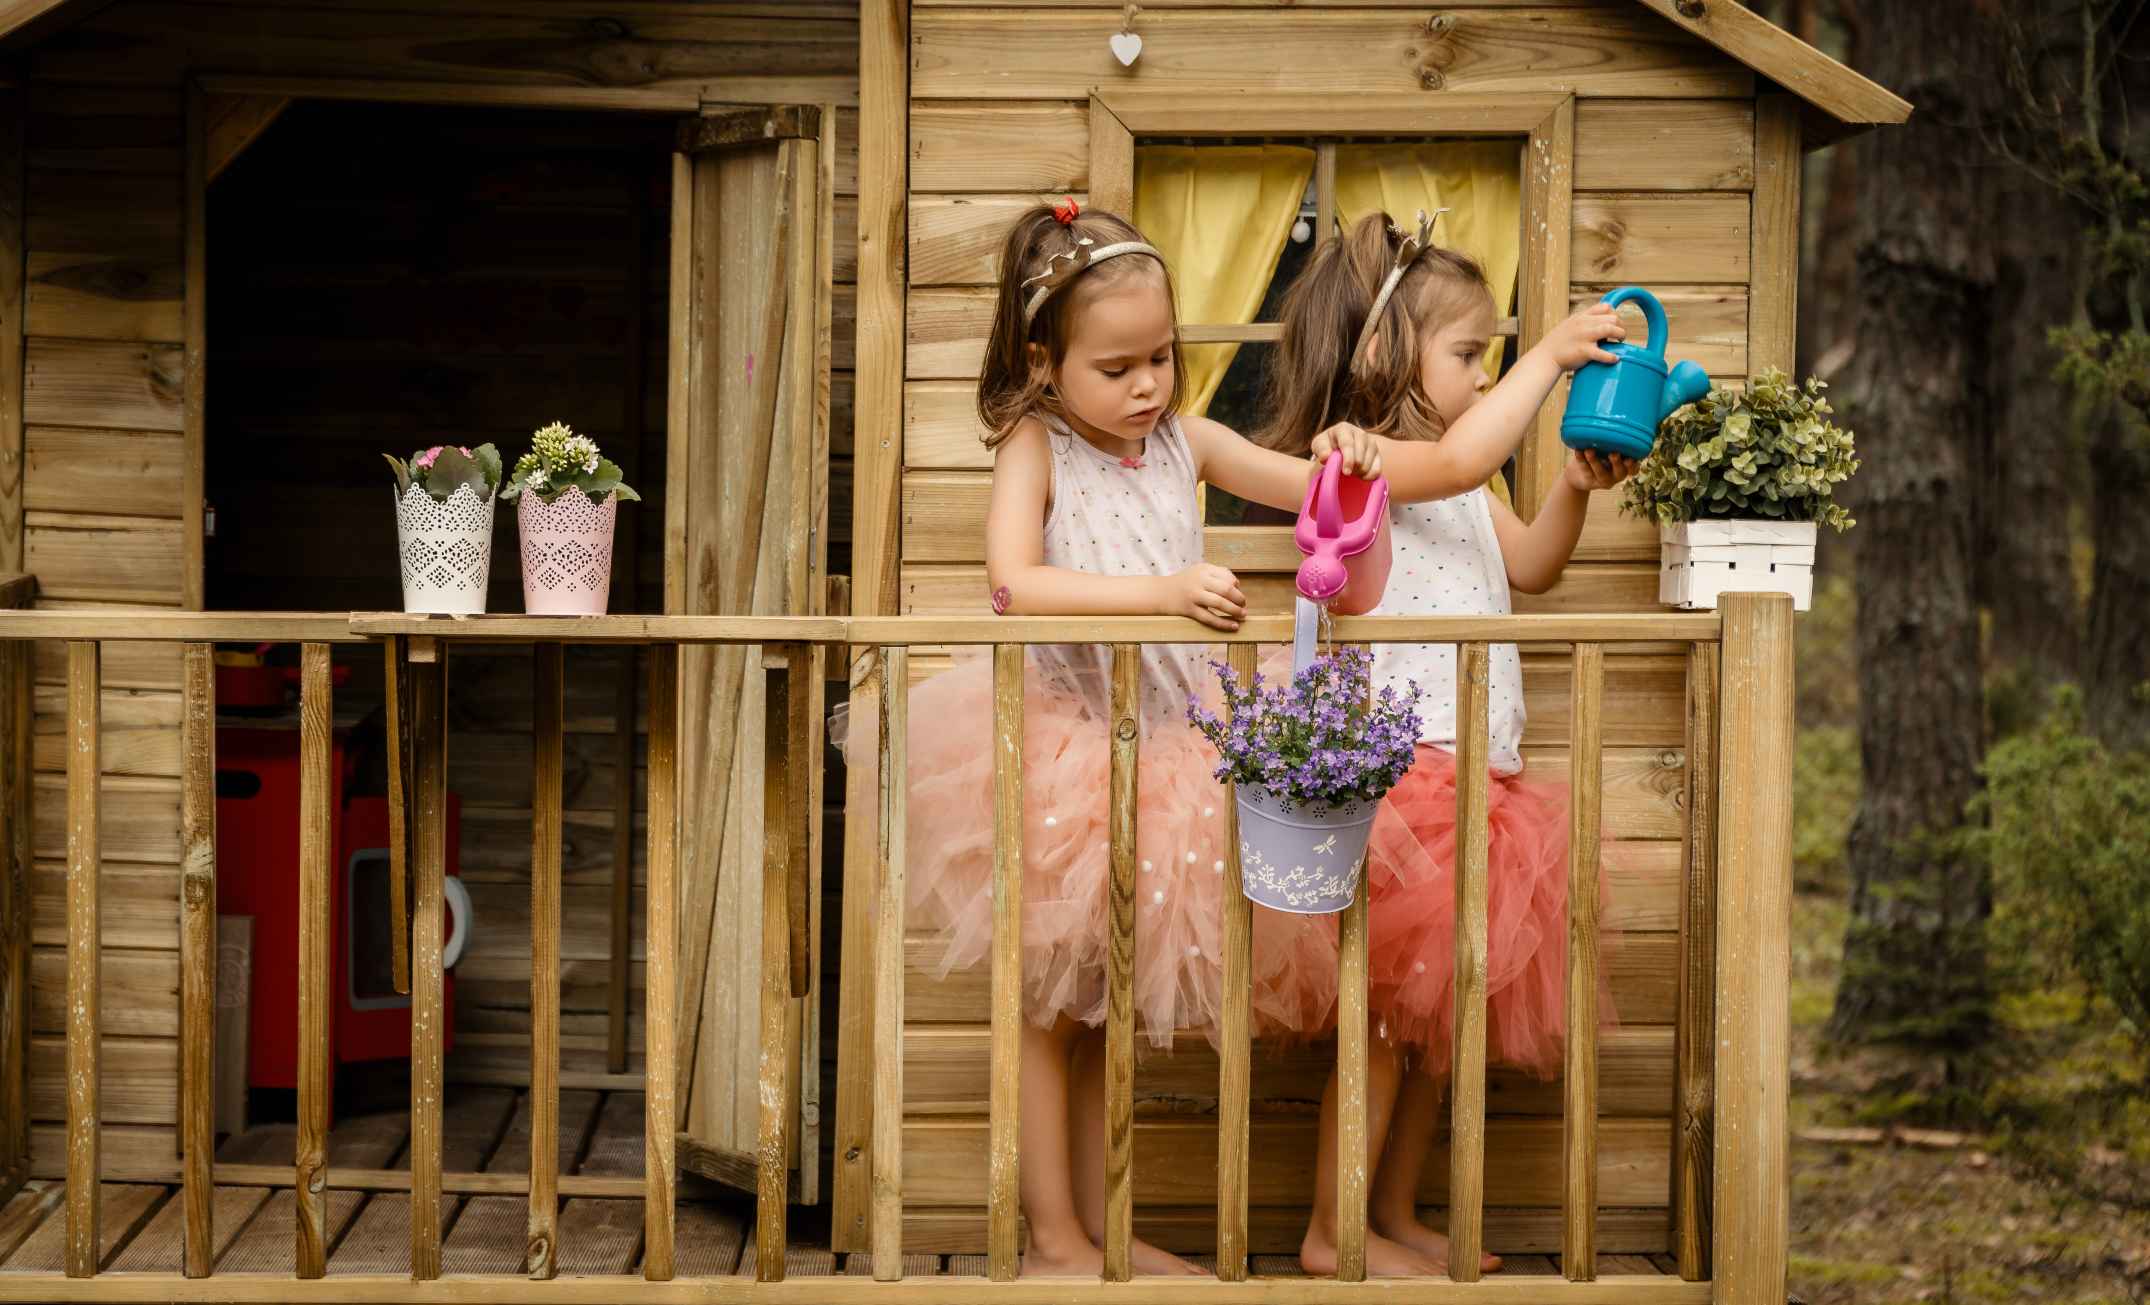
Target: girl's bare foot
1434, 1246
1384, 1258
1079, 1260
1151, 1260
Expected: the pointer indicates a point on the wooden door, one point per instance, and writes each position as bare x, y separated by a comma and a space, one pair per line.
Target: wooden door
745, 533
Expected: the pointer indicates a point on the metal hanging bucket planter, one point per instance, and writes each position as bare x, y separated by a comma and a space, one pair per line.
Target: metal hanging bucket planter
1301, 857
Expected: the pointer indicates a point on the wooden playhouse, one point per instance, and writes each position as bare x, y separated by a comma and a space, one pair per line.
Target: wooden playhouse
250, 246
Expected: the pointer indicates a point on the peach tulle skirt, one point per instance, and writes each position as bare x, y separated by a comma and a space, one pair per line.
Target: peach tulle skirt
1179, 882
1412, 940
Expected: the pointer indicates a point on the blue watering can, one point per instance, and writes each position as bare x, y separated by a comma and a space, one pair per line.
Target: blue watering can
1616, 407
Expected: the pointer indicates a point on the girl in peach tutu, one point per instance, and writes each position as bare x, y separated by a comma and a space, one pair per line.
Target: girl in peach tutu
1094, 512
1390, 332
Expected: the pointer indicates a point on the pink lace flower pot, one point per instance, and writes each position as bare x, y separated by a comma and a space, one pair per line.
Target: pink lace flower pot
446, 549
567, 553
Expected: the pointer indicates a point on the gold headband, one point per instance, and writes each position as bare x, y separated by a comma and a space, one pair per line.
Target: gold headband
1406, 254
1063, 268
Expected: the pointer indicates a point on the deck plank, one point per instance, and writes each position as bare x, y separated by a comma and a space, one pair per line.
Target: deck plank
122, 1209
708, 1238
159, 1246
916, 1264
268, 1244
25, 1211
379, 1235
616, 1147
600, 1236
800, 1261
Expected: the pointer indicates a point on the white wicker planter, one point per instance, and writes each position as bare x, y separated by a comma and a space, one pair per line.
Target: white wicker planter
447, 549
1702, 560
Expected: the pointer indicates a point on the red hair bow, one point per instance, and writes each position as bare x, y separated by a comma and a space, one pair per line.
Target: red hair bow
1067, 210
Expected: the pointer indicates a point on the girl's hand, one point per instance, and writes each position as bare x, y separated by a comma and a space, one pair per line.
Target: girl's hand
1362, 452
1208, 593
1579, 339
1591, 470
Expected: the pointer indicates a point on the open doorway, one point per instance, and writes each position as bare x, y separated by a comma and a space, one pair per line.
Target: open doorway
384, 278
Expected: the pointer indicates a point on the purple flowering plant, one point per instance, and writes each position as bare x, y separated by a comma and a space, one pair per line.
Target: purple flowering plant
1320, 739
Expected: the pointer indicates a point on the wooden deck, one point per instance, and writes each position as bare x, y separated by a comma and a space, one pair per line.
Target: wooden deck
487, 1130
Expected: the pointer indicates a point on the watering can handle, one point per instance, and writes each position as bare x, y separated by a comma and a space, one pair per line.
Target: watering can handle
1653, 313
1328, 502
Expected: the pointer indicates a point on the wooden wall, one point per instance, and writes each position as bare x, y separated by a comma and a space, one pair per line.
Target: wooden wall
105, 400
1664, 174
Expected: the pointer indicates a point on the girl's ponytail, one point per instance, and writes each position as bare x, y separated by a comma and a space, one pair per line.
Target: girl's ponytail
1314, 380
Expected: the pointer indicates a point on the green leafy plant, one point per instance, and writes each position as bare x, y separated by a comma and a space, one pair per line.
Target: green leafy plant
560, 460
2067, 825
445, 468
1769, 451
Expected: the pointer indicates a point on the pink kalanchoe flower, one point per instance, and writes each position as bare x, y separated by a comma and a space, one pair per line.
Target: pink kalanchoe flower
426, 459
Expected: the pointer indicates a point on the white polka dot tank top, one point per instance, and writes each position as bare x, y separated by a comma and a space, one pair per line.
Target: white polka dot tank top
1132, 517
1447, 561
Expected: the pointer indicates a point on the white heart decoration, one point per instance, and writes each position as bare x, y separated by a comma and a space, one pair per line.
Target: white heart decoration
1125, 46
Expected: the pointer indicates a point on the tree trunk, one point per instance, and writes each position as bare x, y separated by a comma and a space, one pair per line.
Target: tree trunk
2116, 661
2117, 651
1916, 390
2026, 574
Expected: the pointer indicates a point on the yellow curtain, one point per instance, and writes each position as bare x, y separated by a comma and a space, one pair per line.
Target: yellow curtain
1220, 215
1479, 182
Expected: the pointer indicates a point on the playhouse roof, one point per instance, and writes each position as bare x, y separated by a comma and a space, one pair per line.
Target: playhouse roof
1849, 102
1841, 101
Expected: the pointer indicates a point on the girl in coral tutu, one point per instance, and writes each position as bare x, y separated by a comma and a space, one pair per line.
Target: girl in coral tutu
1390, 332
1094, 512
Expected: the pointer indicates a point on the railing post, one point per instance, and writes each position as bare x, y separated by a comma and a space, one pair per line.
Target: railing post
1754, 854
16, 716
1120, 966
1694, 1029
1354, 1162
1467, 1132
316, 851
395, 658
84, 767
784, 704
660, 1119
1003, 1246
1235, 1055
428, 674
198, 957
1579, 1080
887, 1222
541, 1250
623, 866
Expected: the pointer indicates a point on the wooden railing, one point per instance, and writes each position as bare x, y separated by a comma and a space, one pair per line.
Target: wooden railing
1729, 1177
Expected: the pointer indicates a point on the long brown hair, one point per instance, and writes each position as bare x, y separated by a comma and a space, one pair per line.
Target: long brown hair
1312, 381
1010, 386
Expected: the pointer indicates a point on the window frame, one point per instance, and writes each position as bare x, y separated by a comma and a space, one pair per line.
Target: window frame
1546, 122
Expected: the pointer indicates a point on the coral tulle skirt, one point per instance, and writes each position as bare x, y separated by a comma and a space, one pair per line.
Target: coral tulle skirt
1412, 941
1179, 881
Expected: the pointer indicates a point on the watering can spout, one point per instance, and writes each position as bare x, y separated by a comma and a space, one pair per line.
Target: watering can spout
1687, 383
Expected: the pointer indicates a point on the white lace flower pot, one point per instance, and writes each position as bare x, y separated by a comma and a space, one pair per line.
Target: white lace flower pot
1703, 560
447, 549
567, 553
1300, 858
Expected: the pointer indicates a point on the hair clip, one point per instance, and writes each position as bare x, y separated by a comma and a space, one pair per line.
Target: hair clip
1063, 268
1067, 210
1406, 254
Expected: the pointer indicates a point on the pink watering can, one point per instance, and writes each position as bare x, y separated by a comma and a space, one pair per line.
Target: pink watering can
1344, 531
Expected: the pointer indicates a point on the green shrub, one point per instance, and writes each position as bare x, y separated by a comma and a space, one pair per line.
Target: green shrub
1825, 796
2068, 831
1767, 451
